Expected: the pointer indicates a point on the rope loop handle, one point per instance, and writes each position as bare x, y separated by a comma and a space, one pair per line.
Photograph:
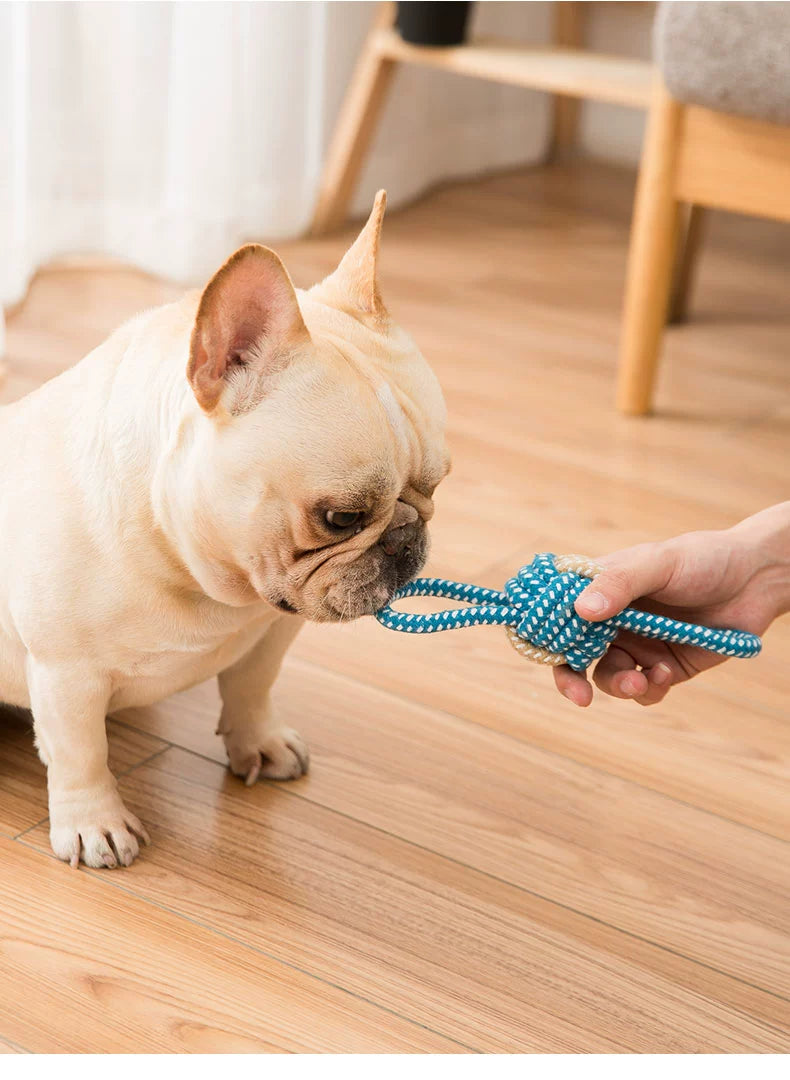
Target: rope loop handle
537, 609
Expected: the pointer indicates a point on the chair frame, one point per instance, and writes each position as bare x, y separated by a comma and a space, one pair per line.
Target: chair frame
703, 158
692, 158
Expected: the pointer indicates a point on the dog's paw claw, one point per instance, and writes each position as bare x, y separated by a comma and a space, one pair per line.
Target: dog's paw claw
103, 838
300, 752
138, 830
278, 755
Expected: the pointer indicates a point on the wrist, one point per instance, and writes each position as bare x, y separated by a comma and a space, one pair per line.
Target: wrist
766, 538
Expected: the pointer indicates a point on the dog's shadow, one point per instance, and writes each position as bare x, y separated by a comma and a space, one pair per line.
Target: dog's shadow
16, 730
23, 778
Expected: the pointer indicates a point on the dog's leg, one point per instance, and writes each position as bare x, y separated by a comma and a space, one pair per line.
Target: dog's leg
87, 818
256, 744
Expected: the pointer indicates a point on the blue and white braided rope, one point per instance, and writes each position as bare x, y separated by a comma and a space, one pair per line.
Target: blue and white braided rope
537, 608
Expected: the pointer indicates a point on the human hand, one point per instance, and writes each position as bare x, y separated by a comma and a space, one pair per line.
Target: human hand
738, 578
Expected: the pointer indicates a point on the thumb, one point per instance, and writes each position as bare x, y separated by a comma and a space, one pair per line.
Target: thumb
627, 575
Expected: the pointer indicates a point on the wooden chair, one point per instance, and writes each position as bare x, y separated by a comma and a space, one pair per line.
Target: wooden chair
700, 156
564, 69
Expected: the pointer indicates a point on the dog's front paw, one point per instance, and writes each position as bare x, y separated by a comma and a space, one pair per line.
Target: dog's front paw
278, 755
98, 830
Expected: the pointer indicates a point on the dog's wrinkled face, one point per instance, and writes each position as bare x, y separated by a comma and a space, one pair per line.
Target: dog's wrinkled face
320, 442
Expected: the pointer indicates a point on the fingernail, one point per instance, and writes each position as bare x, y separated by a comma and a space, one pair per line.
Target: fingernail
662, 674
629, 688
594, 602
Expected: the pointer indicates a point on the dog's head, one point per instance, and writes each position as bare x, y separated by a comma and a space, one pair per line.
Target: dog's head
318, 441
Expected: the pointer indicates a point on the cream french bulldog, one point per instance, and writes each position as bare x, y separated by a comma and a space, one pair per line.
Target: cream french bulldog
175, 505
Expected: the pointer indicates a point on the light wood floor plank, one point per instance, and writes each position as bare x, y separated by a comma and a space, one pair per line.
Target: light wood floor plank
7, 1048
459, 811
23, 787
482, 962
93, 967
721, 743
618, 852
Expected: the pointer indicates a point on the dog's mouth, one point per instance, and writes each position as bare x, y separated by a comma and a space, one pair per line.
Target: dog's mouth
343, 605
365, 587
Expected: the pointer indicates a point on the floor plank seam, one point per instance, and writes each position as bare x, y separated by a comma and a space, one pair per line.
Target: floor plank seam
555, 903
14, 1045
31, 828
169, 745
101, 877
284, 789
118, 776
548, 750
146, 760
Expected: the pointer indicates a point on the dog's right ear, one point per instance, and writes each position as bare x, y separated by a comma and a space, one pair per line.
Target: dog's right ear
353, 286
248, 317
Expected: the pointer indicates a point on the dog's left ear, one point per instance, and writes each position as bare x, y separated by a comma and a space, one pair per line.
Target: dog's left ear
353, 286
248, 317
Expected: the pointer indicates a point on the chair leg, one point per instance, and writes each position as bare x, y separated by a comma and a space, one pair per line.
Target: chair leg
651, 255
690, 239
568, 32
355, 127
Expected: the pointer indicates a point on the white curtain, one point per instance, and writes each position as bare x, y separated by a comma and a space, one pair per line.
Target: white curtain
169, 133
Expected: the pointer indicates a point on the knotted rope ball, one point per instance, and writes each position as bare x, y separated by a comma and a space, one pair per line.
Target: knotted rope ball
537, 608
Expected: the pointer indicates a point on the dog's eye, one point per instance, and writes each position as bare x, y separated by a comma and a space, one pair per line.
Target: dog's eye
343, 519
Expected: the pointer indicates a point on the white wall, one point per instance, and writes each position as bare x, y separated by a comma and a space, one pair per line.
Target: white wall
475, 127
609, 131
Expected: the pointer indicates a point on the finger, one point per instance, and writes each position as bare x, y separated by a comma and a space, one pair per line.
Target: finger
659, 680
617, 675
627, 575
573, 685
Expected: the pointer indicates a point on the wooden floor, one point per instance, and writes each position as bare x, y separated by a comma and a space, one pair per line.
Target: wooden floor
473, 864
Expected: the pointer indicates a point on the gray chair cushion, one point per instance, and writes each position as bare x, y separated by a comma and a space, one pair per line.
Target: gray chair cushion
732, 57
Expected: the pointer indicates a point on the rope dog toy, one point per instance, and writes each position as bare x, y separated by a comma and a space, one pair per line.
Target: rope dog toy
536, 607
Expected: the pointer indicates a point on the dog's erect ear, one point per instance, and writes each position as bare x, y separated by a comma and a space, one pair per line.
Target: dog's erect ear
248, 317
354, 285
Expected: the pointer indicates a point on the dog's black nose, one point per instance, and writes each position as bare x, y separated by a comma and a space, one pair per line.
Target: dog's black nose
398, 541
